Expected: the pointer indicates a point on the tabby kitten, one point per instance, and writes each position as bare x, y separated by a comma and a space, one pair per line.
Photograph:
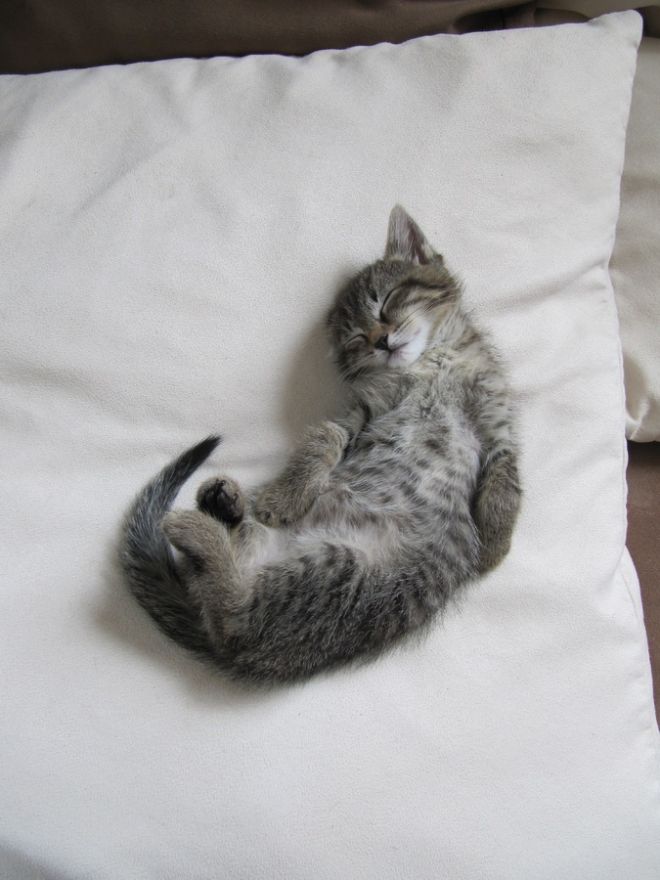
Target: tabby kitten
379, 516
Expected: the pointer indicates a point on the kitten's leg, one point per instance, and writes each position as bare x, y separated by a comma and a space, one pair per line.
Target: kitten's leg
498, 493
223, 499
496, 507
289, 497
210, 570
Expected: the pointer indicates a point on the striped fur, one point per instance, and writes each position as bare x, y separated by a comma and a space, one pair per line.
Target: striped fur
378, 518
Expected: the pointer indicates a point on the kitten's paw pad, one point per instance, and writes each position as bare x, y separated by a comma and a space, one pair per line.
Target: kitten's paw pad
222, 499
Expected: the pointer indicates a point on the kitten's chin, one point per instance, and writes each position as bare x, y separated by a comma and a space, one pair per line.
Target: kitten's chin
407, 354
397, 361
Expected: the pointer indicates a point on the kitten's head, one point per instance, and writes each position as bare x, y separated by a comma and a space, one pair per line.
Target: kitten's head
389, 314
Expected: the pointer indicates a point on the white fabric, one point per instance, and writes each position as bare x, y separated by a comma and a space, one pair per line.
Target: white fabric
635, 266
635, 263
171, 237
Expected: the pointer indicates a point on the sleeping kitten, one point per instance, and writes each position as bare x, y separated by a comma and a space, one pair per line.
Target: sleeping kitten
378, 518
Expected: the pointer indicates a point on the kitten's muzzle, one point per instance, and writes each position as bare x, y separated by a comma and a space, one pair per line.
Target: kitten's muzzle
382, 344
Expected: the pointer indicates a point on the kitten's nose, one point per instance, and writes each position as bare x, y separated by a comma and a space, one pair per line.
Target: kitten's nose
382, 344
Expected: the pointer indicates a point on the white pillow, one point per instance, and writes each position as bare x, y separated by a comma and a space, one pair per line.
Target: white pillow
635, 263
635, 266
172, 236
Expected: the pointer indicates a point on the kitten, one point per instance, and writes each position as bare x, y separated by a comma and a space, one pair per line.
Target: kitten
377, 519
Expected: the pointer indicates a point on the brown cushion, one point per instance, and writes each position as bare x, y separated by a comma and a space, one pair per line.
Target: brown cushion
643, 543
38, 35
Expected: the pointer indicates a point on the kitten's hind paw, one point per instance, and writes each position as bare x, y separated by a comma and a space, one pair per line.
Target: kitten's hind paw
191, 532
222, 499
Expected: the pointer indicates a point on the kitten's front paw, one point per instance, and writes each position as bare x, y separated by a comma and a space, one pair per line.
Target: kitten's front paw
269, 509
328, 441
493, 552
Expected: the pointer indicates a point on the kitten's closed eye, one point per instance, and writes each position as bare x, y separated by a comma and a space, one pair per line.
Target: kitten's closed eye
355, 341
382, 317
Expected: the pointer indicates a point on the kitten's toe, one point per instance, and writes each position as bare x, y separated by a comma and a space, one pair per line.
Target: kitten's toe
222, 499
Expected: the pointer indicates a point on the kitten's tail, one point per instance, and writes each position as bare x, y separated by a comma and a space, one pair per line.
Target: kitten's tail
146, 557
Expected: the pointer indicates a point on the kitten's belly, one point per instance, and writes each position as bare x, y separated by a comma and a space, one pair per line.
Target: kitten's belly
382, 499
325, 523
373, 505
389, 474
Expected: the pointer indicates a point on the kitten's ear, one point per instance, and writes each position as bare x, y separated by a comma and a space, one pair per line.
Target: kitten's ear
406, 241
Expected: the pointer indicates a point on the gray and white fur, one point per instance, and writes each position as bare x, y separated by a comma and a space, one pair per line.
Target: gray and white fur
379, 516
